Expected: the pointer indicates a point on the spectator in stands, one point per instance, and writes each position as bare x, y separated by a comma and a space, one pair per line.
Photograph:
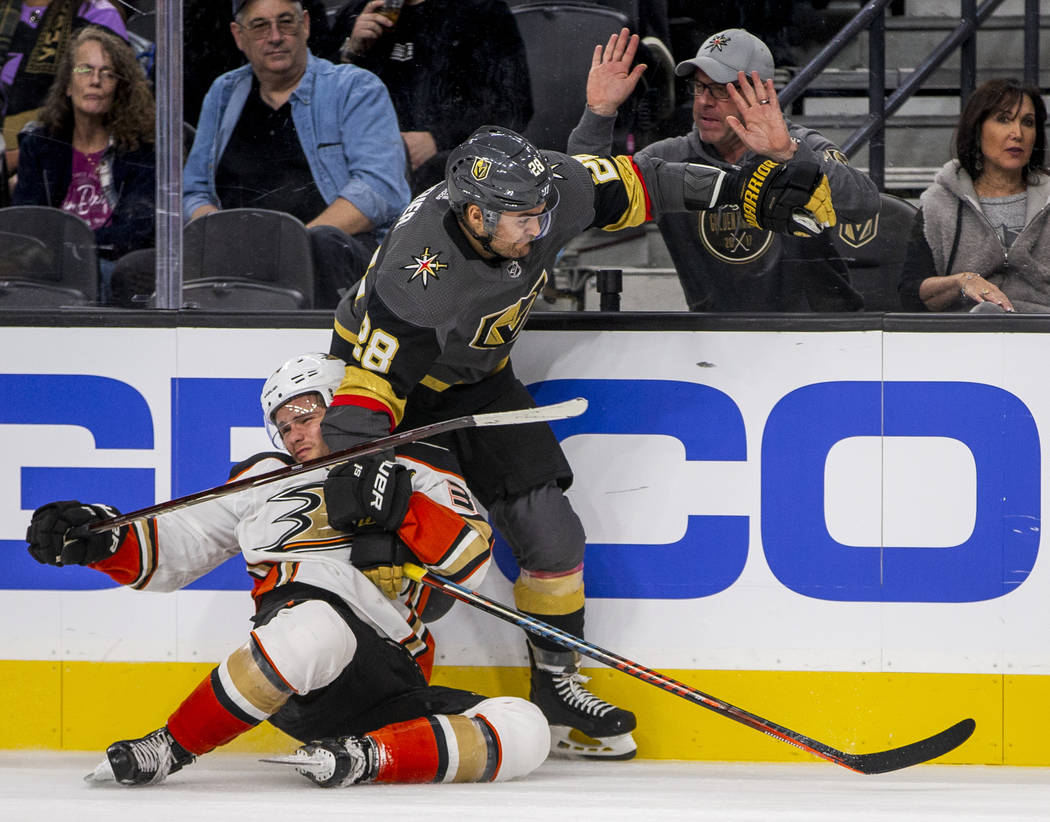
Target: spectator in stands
208, 50
451, 66
981, 239
722, 264
291, 132
92, 151
34, 35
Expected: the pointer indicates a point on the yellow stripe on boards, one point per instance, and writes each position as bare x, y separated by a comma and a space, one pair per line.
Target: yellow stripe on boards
88, 705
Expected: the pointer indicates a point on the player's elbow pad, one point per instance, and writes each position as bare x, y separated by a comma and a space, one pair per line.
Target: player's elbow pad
705, 187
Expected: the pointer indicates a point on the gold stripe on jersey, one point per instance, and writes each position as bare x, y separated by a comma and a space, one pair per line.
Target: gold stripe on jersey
470, 551
345, 333
434, 384
416, 642
145, 534
270, 575
618, 189
361, 383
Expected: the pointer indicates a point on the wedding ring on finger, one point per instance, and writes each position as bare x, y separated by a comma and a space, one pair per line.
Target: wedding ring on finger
763, 102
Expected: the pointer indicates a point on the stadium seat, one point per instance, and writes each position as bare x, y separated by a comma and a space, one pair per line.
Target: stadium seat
49, 258
874, 251
247, 259
559, 39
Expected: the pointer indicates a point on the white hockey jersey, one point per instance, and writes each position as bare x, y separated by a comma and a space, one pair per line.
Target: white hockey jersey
282, 531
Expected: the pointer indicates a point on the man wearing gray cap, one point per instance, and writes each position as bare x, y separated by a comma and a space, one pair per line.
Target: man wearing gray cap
723, 264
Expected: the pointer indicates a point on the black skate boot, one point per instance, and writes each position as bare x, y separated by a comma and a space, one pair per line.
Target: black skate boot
335, 763
581, 723
146, 761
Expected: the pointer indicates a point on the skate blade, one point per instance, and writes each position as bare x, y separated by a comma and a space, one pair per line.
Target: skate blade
103, 773
297, 760
571, 743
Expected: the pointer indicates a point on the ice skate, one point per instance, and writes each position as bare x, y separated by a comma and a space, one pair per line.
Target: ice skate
581, 723
146, 761
334, 763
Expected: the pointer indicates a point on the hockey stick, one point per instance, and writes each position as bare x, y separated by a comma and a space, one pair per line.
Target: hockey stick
543, 413
870, 763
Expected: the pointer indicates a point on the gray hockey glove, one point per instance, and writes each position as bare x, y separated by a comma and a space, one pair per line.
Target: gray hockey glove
57, 534
367, 495
381, 557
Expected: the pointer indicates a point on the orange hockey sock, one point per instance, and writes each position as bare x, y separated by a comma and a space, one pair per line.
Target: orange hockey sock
204, 720
442, 748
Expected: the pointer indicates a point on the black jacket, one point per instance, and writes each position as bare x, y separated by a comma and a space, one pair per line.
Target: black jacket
45, 169
450, 66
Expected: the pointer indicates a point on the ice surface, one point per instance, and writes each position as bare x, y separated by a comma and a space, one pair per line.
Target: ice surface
46, 786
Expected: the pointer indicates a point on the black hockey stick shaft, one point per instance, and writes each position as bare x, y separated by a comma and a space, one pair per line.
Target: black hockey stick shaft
543, 413
880, 762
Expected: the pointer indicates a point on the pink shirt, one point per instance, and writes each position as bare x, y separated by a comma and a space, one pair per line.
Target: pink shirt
85, 196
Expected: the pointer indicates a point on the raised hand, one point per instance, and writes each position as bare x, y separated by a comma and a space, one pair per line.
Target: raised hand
611, 78
761, 124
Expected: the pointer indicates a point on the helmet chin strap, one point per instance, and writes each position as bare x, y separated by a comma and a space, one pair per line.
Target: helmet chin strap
484, 240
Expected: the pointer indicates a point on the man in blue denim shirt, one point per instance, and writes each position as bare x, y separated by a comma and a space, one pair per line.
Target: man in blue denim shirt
294, 133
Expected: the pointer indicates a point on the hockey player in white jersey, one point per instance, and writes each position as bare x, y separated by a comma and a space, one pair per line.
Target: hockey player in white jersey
428, 334
339, 656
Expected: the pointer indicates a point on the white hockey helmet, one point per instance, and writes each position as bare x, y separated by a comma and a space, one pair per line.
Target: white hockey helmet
306, 374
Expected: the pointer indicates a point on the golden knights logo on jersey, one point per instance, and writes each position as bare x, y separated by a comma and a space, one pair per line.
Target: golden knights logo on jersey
856, 235
502, 327
726, 237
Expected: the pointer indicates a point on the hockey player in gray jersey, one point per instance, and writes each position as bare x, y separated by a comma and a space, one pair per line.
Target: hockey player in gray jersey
428, 333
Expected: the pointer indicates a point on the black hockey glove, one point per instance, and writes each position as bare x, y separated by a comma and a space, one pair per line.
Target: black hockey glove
788, 198
367, 495
57, 534
380, 557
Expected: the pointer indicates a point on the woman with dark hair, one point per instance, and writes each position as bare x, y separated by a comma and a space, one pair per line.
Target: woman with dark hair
981, 239
92, 152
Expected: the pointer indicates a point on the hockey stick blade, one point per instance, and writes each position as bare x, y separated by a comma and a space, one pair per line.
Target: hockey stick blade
541, 413
914, 754
520, 416
872, 763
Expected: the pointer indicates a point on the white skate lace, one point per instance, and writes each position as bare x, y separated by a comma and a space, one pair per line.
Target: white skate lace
569, 688
153, 756
358, 760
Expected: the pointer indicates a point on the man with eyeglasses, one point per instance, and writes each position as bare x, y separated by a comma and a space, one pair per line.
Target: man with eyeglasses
294, 133
724, 264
